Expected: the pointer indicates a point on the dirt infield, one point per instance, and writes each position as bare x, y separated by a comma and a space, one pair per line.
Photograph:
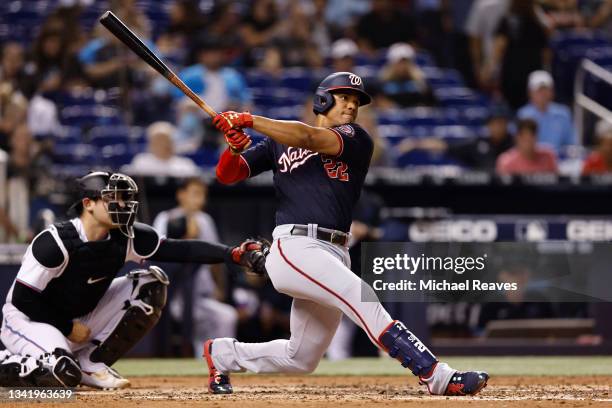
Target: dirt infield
346, 391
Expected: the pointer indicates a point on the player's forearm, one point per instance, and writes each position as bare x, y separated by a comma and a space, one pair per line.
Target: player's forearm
297, 134
231, 168
192, 251
31, 303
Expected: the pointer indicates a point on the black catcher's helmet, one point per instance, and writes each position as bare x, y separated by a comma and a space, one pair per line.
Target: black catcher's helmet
118, 191
323, 99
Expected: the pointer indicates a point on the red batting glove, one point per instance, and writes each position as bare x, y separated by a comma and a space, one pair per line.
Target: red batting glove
237, 140
232, 120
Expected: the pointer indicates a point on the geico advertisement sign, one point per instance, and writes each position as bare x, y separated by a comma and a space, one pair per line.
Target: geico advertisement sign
589, 230
453, 231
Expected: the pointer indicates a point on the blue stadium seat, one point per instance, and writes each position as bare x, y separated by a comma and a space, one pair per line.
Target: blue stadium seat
116, 155
257, 78
205, 157
76, 154
393, 133
299, 79
443, 78
99, 134
459, 97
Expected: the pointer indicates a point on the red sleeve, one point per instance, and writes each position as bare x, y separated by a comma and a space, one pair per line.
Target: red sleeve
231, 168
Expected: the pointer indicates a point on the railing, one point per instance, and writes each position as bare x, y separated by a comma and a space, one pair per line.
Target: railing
583, 102
3, 189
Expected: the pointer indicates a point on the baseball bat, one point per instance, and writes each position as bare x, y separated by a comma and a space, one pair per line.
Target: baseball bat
127, 36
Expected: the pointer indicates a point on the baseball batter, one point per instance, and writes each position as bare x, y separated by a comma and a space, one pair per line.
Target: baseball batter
318, 175
67, 318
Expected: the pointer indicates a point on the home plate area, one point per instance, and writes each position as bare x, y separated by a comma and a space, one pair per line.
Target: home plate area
357, 391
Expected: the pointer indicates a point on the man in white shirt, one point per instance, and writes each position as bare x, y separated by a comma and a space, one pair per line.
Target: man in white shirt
160, 159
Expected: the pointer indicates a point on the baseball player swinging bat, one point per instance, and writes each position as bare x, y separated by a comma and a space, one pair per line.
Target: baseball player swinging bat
127, 36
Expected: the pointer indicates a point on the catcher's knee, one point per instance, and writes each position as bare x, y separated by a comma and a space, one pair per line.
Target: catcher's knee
141, 315
56, 369
404, 346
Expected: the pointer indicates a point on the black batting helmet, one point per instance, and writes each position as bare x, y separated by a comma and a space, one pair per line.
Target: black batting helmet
323, 99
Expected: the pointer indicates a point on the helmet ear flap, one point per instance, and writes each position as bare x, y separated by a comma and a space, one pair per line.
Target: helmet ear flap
323, 101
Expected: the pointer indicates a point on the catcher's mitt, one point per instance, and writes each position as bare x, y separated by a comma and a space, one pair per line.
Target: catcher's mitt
252, 255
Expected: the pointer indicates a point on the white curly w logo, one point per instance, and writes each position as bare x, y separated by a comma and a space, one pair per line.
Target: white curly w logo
355, 80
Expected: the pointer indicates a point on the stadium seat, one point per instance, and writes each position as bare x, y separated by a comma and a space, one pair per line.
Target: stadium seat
299, 79
205, 157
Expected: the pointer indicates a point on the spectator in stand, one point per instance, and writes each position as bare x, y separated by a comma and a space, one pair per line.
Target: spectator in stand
12, 68
600, 161
222, 23
160, 159
65, 19
321, 31
401, 81
479, 153
132, 16
440, 31
561, 14
105, 60
482, 22
342, 15
50, 60
212, 317
555, 126
520, 47
458, 44
343, 53
186, 20
261, 25
527, 157
13, 103
597, 14
22, 170
223, 87
383, 26
296, 45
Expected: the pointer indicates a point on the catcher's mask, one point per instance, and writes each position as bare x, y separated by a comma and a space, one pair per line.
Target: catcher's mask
120, 197
119, 194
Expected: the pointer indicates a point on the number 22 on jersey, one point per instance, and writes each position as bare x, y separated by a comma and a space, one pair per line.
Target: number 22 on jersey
335, 169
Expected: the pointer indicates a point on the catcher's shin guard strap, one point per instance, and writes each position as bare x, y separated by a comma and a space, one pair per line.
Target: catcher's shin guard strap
404, 346
141, 316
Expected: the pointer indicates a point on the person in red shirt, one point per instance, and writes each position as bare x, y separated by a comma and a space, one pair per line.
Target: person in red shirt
600, 160
526, 157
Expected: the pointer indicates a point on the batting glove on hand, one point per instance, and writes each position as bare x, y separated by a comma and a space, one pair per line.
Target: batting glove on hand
252, 255
237, 140
225, 121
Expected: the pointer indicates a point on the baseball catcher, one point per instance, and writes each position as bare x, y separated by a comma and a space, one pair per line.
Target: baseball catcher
67, 317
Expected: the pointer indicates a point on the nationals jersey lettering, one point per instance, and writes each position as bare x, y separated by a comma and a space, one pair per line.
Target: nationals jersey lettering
293, 158
312, 187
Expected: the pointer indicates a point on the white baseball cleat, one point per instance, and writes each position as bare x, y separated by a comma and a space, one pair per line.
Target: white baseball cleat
106, 379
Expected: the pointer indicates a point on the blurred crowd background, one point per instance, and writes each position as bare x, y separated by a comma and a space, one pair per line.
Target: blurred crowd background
459, 87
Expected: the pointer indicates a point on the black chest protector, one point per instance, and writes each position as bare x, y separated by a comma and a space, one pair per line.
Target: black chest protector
91, 268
